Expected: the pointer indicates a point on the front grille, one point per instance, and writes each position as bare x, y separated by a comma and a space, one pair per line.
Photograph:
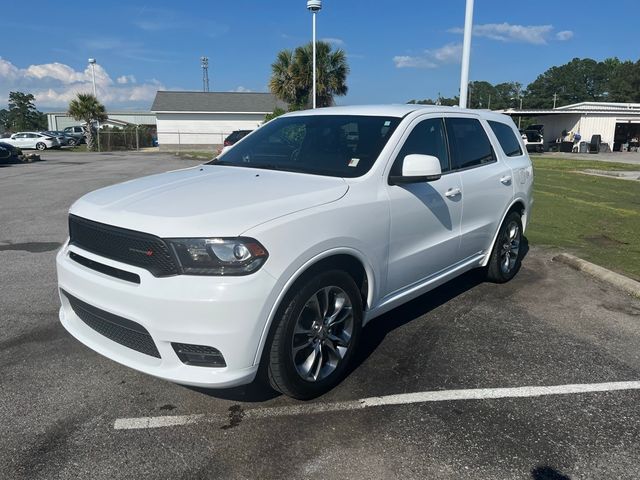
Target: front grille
106, 269
126, 246
120, 330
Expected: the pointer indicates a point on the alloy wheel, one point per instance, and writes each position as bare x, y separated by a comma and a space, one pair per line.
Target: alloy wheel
510, 247
322, 333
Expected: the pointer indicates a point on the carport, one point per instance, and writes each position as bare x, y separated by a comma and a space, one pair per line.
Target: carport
618, 124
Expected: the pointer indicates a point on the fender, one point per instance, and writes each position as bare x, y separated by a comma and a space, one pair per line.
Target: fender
515, 200
305, 266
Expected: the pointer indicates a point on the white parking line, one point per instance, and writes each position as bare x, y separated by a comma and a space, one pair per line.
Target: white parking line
399, 399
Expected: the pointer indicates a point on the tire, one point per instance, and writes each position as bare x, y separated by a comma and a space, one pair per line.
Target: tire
41, 146
71, 142
506, 256
303, 332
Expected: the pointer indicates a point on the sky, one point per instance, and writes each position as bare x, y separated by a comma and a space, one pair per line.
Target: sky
397, 51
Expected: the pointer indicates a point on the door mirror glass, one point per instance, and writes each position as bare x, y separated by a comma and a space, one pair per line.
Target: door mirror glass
418, 168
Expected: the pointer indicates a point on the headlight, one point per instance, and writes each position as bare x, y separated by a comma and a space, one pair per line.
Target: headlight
218, 256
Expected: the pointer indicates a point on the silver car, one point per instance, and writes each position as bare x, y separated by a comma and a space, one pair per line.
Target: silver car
26, 140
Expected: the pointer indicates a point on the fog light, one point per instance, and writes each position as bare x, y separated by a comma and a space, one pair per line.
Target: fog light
199, 355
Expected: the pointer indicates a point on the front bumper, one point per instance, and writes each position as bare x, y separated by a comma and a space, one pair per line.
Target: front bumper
227, 313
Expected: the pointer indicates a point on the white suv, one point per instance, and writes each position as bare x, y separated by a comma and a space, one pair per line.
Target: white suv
273, 257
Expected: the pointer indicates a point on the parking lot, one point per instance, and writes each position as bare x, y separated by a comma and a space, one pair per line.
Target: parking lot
474, 356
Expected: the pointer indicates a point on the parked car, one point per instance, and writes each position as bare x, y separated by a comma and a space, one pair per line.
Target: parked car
533, 138
234, 138
9, 153
279, 251
25, 140
76, 132
63, 139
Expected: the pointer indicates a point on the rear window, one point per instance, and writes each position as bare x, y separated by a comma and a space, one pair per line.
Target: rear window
468, 142
508, 140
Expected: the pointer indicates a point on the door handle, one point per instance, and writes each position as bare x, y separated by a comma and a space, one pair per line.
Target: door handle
452, 192
506, 180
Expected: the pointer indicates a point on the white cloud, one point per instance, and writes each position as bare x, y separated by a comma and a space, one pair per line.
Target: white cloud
505, 32
55, 84
564, 35
241, 89
336, 42
125, 79
449, 53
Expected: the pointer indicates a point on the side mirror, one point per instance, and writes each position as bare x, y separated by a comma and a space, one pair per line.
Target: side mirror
418, 168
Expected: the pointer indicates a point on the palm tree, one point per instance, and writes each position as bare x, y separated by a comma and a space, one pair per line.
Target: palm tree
86, 108
292, 75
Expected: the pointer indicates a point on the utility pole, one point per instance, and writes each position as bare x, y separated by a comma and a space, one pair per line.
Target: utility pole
466, 53
489, 103
555, 97
204, 63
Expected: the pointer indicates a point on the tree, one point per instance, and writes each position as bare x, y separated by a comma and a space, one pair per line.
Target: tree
276, 113
22, 113
292, 75
86, 108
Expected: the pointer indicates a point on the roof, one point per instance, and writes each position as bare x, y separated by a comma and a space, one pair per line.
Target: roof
216, 102
396, 110
583, 108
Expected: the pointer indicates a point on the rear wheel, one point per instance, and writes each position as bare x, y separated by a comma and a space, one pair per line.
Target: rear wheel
506, 256
316, 335
41, 146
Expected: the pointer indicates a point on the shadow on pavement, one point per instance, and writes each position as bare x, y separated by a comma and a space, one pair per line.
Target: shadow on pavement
372, 335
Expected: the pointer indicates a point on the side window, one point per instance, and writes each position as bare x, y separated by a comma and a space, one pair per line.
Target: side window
468, 142
508, 140
426, 138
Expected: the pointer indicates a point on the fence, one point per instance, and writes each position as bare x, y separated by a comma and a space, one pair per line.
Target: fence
127, 138
182, 141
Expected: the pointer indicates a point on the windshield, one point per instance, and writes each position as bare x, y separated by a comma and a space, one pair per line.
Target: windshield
332, 145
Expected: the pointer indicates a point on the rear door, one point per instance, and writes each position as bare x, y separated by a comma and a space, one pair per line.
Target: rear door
487, 183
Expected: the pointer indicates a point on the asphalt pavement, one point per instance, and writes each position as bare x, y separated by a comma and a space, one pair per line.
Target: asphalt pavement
466, 350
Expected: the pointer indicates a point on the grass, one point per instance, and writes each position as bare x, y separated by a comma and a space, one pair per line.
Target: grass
596, 218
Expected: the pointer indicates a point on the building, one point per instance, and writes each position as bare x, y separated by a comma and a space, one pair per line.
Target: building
202, 120
61, 120
618, 124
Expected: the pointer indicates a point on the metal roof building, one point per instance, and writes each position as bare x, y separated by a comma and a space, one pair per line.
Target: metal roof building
202, 120
617, 123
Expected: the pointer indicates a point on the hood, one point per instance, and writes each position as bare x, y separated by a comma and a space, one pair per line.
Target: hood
207, 201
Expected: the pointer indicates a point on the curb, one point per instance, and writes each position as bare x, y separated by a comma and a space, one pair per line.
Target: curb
612, 278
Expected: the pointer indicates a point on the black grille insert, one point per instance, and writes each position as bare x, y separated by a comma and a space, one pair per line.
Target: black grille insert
199, 355
121, 330
106, 269
126, 246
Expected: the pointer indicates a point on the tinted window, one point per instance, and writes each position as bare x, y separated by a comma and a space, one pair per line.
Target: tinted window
427, 138
332, 145
508, 140
468, 142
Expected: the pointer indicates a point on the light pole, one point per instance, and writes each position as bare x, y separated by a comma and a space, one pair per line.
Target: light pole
466, 53
92, 62
314, 6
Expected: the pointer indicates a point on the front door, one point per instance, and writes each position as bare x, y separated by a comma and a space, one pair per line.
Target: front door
424, 217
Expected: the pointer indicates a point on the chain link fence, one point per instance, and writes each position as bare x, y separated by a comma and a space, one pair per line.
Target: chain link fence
132, 137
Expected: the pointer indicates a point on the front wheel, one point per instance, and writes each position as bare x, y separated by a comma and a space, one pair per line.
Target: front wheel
506, 256
41, 146
71, 142
316, 335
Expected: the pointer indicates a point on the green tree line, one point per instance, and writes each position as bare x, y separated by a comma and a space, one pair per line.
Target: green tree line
580, 80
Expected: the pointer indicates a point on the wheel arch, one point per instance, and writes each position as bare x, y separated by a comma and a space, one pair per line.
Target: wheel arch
517, 205
350, 260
